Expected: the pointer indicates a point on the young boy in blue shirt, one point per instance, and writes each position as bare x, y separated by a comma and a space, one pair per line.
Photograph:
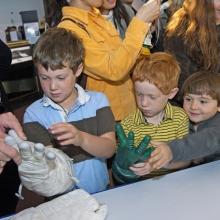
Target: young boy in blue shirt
201, 101
77, 121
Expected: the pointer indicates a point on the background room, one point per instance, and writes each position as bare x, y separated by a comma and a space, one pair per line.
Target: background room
21, 23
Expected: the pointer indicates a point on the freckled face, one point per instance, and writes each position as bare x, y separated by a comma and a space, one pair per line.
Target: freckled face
150, 100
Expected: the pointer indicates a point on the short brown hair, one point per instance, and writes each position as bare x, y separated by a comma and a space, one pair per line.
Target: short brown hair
58, 48
203, 82
160, 69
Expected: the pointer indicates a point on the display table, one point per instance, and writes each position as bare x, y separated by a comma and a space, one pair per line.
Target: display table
190, 194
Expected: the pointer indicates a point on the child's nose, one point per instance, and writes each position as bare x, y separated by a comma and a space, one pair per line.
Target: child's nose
145, 102
52, 85
194, 105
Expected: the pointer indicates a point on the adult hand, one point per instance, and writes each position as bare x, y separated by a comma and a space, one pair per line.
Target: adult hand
150, 11
44, 170
7, 153
8, 121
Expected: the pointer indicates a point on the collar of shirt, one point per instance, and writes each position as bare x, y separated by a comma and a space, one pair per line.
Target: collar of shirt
139, 117
82, 99
80, 14
83, 17
109, 16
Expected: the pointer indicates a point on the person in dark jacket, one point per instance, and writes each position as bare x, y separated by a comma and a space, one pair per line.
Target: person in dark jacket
9, 180
5, 64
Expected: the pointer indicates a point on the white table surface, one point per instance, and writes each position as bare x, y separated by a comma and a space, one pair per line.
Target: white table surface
190, 194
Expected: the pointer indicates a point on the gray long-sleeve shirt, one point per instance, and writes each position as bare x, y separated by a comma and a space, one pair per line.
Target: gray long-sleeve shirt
204, 142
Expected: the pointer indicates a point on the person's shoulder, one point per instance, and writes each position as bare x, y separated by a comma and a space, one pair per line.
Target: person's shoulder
178, 111
213, 121
130, 118
95, 93
35, 105
97, 97
97, 100
34, 111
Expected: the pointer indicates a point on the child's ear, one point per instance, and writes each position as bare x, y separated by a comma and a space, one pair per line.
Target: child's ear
79, 70
172, 93
218, 108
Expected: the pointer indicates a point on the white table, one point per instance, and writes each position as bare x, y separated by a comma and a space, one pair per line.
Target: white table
190, 194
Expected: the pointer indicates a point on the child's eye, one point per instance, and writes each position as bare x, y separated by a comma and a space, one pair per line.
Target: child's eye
139, 94
188, 99
43, 77
61, 77
203, 101
153, 97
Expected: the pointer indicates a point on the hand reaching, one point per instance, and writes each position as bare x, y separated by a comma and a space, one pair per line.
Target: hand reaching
161, 156
128, 155
141, 169
66, 133
8, 120
46, 171
149, 11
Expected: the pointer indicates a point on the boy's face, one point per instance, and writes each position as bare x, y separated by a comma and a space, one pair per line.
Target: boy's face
200, 107
150, 100
58, 85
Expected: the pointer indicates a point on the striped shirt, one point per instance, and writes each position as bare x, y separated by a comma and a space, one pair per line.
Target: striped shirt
174, 125
90, 113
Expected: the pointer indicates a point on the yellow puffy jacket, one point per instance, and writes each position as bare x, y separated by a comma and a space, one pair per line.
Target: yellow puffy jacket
108, 59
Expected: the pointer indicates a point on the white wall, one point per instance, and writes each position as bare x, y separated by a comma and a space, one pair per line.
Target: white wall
15, 6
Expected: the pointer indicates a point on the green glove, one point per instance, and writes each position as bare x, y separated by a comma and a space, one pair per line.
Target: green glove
127, 155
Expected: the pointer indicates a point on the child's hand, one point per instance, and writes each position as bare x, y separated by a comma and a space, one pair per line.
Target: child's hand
66, 134
141, 169
161, 155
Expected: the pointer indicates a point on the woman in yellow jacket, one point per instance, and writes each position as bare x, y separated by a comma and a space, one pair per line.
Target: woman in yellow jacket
108, 59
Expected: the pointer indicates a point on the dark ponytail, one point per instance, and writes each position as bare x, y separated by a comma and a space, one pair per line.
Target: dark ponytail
53, 11
119, 12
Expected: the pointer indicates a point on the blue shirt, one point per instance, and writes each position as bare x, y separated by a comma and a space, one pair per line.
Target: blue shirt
92, 173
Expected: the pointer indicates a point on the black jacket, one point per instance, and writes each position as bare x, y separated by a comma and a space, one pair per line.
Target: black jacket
5, 64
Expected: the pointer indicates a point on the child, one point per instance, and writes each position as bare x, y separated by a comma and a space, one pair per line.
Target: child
201, 101
155, 81
79, 122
